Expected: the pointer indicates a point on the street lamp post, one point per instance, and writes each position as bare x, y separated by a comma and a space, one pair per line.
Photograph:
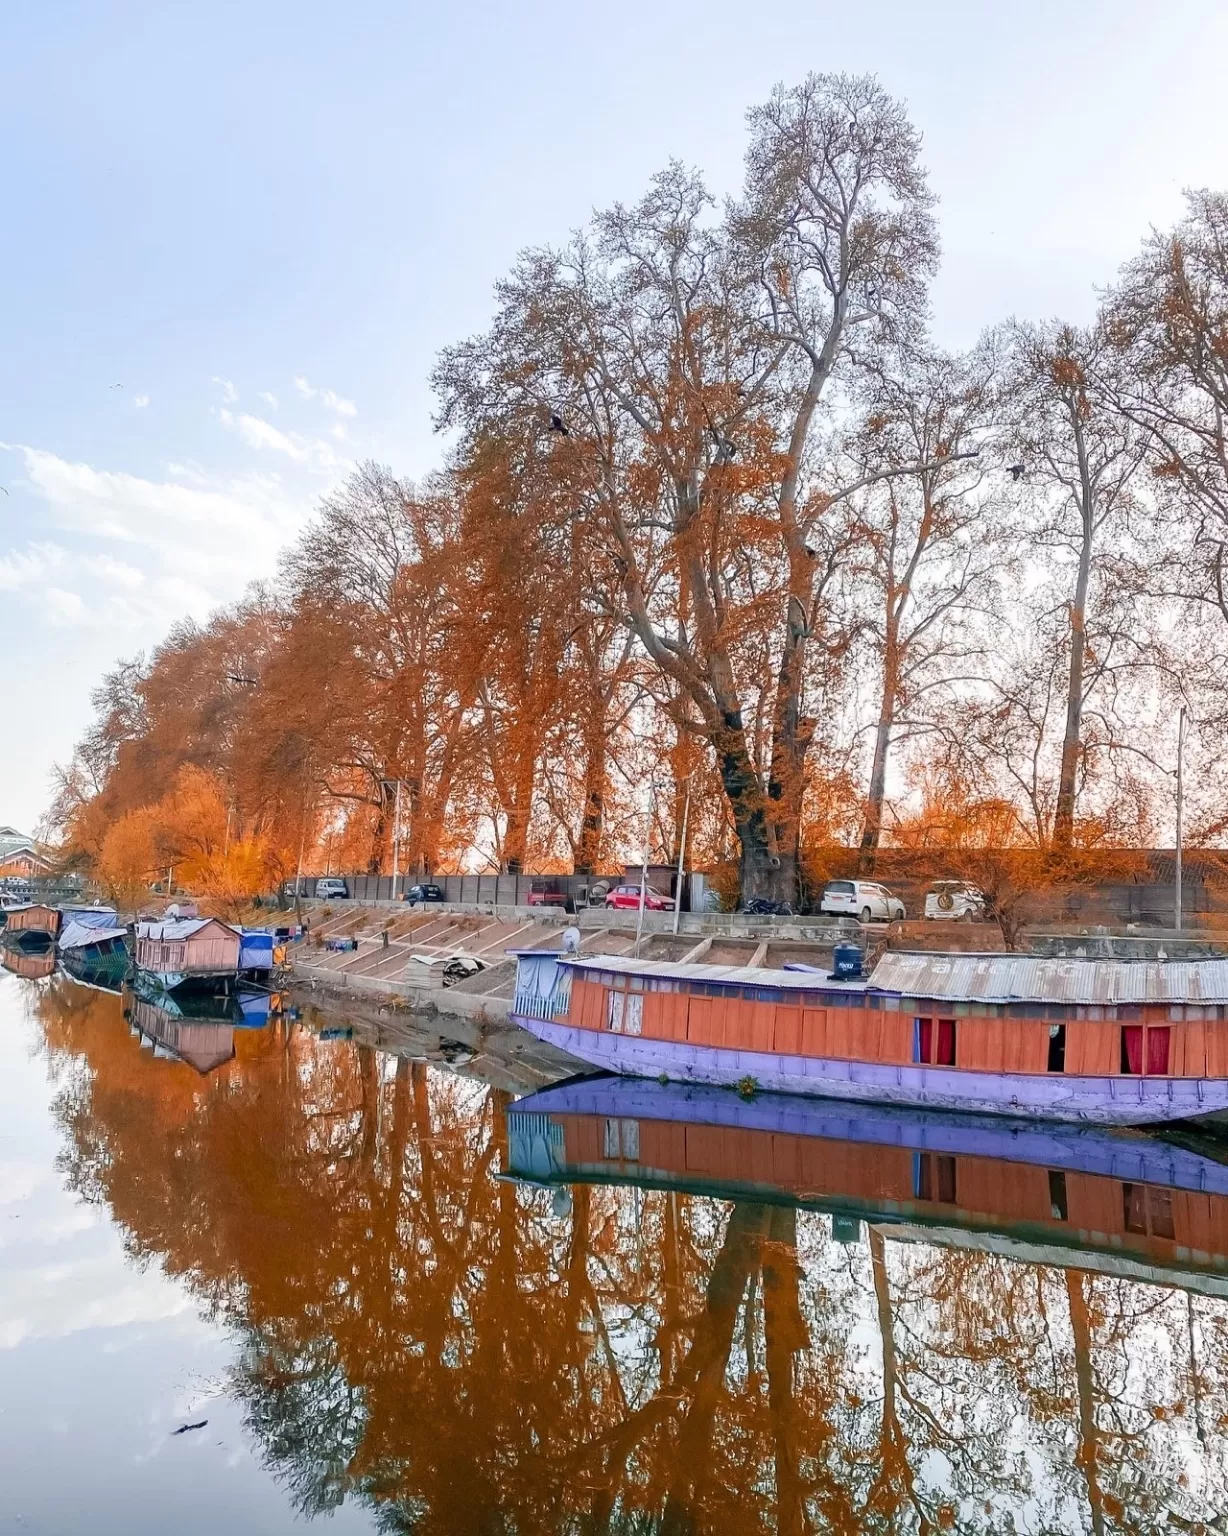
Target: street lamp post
686, 811
639, 922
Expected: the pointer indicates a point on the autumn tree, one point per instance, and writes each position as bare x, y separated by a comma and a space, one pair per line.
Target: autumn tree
684, 363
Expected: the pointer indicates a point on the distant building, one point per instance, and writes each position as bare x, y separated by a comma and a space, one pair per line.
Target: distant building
20, 855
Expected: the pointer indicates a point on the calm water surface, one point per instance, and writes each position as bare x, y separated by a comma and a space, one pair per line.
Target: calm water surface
313, 1248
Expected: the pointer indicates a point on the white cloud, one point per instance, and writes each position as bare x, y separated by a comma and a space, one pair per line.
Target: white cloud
187, 543
141, 401
339, 432
229, 393
333, 401
30, 567
269, 399
258, 433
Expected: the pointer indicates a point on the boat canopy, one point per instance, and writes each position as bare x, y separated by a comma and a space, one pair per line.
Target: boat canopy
255, 949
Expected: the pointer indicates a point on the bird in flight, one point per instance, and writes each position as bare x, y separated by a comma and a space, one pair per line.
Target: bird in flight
117, 386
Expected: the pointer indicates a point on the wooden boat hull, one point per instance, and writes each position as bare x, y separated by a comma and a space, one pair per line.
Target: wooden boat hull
1090, 1100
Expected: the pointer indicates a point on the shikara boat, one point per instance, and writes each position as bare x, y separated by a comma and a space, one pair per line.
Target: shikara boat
1084, 1197
1112, 1042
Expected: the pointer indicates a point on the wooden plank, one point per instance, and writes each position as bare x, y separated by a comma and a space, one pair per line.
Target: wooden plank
787, 1031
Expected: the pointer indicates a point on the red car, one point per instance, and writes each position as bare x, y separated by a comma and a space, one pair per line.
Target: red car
629, 896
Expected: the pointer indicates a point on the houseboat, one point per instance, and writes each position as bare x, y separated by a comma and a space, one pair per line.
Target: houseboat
96, 955
30, 963
198, 952
33, 924
1078, 1197
1113, 1042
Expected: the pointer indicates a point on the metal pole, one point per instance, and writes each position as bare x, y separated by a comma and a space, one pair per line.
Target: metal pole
639, 922
396, 841
686, 810
1180, 807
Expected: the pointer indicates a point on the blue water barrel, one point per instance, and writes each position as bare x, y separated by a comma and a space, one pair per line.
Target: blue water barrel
846, 962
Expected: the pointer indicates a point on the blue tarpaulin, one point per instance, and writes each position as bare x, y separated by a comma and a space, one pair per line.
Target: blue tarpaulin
255, 950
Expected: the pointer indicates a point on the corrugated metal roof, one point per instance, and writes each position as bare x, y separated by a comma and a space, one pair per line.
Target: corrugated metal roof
174, 931
78, 934
1028, 979
733, 975
971, 978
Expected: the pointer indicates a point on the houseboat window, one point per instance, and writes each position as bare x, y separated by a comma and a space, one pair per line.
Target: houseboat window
1157, 1051
1057, 1049
1148, 1211
621, 1140
934, 1044
934, 1178
1057, 1195
1131, 1050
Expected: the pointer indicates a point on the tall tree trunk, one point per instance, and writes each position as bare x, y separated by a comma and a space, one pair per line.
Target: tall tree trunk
1087, 1457
592, 823
1064, 812
873, 829
784, 1336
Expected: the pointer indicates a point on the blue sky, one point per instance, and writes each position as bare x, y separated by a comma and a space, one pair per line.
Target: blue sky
263, 219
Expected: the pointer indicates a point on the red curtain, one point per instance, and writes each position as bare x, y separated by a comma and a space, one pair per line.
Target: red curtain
1157, 1052
946, 1043
1132, 1048
925, 1040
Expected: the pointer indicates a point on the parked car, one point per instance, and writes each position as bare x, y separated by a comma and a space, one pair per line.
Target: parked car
542, 893
764, 906
330, 888
953, 901
424, 893
863, 899
628, 896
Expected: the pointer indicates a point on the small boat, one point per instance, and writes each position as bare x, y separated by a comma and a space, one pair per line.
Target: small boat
196, 952
1112, 1042
1085, 1197
95, 955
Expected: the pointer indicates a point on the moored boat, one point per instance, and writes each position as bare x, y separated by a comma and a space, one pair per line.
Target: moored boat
1088, 1197
1111, 1042
33, 924
95, 955
196, 952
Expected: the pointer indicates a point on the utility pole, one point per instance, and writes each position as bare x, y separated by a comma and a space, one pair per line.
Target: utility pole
396, 841
639, 922
686, 811
1180, 806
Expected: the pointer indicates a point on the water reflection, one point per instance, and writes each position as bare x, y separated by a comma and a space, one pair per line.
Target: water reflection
707, 1323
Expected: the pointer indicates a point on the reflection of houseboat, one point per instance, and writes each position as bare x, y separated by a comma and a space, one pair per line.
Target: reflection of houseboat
1074, 1196
1106, 1041
31, 963
196, 1028
33, 924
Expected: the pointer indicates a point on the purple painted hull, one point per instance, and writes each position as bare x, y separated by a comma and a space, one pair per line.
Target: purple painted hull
1091, 1100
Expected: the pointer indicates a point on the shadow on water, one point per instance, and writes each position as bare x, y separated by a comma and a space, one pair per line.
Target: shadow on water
609, 1308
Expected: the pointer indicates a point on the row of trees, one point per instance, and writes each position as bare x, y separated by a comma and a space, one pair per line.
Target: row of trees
721, 515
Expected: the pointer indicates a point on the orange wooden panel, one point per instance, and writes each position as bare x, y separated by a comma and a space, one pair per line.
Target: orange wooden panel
979, 1044
786, 1162
1217, 1047
895, 1037
676, 1013
653, 1021
755, 1154
1013, 1190
763, 1026
699, 1021
705, 1149
1201, 1221
787, 1030
815, 1035
1094, 1204
1093, 1047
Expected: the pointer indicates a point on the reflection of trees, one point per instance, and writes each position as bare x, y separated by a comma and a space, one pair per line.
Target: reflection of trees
462, 1355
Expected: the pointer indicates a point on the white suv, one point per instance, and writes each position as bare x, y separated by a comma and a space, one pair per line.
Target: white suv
953, 901
862, 899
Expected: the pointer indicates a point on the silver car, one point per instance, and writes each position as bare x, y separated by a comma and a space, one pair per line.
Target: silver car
862, 899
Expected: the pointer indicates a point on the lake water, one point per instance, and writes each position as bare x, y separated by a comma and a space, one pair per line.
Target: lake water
321, 1254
